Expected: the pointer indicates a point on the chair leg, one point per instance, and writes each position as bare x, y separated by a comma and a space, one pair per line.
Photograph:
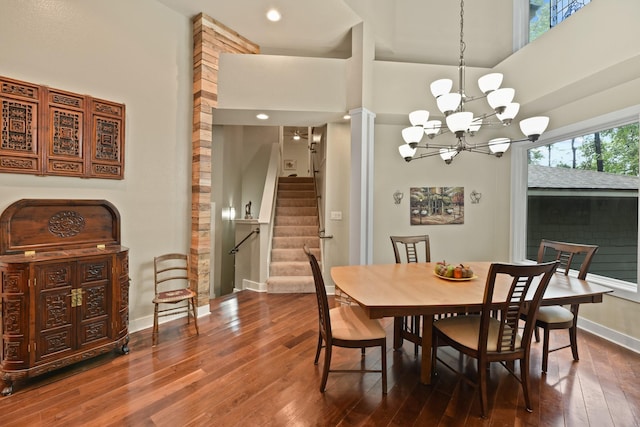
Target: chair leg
524, 376
154, 334
383, 359
195, 315
434, 354
315, 361
325, 368
416, 330
545, 350
573, 332
398, 326
574, 342
536, 331
482, 385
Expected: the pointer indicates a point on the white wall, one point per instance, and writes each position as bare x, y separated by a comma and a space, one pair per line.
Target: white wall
137, 53
336, 197
484, 236
297, 151
256, 150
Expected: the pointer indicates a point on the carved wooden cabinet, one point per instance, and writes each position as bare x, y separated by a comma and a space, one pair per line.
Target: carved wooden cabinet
46, 131
65, 285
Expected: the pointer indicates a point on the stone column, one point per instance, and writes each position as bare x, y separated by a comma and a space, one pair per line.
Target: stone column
210, 39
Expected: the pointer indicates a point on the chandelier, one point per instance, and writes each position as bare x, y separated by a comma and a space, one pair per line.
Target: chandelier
462, 123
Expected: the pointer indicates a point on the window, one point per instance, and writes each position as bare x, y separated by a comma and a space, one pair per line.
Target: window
581, 185
546, 14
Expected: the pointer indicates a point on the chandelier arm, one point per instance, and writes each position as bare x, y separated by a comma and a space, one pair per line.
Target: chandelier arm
436, 146
422, 156
474, 98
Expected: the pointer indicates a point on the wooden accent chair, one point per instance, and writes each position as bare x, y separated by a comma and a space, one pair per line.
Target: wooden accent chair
171, 282
493, 335
345, 326
558, 317
410, 325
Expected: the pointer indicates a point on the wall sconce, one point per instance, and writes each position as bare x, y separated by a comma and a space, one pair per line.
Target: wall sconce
397, 197
475, 197
229, 213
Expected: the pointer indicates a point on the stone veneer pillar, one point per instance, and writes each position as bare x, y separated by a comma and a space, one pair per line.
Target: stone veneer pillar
210, 39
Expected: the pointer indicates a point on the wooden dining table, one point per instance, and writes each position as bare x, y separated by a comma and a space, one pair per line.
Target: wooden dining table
411, 289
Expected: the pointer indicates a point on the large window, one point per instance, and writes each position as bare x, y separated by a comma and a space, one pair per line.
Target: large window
546, 14
582, 187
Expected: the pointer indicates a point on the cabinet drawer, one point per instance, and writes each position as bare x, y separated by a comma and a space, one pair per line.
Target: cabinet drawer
92, 271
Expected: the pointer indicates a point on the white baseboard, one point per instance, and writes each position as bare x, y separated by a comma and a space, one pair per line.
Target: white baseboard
250, 285
147, 321
608, 334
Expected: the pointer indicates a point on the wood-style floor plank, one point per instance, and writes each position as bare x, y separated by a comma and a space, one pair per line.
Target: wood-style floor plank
252, 365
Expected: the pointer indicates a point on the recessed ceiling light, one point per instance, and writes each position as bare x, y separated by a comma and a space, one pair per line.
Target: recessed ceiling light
273, 15
346, 117
262, 116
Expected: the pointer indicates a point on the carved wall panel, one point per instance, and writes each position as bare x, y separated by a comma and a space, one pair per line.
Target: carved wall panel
47, 131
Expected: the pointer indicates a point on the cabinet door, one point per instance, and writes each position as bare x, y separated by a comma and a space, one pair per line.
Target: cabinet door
94, 312
123, 300
14, 352
54, 319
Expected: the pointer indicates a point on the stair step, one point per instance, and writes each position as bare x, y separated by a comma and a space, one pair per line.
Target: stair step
295, 179
295, 230
296, 211
296, 194
295, 242
296, 202
294, 186
292, 254
296, 220
290, 268
290, 285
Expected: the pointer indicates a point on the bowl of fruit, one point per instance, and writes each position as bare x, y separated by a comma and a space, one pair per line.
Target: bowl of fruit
453, 272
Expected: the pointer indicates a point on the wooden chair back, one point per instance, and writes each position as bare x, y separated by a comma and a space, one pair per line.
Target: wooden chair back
509, 312
566, 253
321, 296
411, 245
171, 272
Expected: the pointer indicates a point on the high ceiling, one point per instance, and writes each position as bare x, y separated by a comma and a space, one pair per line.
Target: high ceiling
425, 31
416, 31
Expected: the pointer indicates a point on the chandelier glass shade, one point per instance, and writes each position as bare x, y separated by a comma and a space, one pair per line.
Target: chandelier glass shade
462, 123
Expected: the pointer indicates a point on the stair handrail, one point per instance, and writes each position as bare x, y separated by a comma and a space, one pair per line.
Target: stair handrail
321, 229
236, 248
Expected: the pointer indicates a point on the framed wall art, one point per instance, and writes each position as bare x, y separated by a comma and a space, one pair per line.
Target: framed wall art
436, 205
290, 165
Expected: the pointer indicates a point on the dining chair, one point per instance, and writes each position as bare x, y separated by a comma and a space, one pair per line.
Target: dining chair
413, 246
493, 335
172, 291
558, 317
345, 326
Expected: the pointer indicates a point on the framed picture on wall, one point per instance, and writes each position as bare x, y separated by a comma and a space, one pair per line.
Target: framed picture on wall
436, 205
290, 165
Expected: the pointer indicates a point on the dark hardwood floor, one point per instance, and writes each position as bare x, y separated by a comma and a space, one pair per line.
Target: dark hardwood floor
252, 365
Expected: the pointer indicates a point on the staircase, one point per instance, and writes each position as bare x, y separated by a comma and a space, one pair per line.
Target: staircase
295, 224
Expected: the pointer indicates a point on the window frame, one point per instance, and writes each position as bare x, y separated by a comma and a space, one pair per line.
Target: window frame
519, 189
